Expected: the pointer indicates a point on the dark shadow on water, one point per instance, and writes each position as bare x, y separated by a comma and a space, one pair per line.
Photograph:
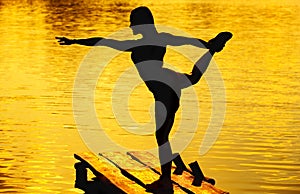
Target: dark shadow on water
99, 184
5, 185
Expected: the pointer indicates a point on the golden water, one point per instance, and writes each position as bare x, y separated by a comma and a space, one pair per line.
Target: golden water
258, 149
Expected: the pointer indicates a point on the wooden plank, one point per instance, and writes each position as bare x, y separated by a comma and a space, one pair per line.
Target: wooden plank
130, 176
185, 179
101, 166
141, 172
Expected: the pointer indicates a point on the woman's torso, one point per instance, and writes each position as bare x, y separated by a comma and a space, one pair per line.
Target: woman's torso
148, 60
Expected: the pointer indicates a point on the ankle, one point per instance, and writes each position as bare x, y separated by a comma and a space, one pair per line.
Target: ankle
212, 52
165, 177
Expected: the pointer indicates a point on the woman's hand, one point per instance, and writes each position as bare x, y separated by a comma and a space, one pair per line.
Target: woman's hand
64, 41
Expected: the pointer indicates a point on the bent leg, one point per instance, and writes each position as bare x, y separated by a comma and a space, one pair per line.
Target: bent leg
215, 45
199, 68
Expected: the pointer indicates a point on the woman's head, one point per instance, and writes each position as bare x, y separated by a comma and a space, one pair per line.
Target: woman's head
141, 15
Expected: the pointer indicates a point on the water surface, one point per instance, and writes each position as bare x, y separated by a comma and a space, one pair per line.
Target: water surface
258, 148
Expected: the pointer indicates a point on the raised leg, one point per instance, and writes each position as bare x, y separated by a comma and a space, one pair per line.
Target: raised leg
214, 45
199, 68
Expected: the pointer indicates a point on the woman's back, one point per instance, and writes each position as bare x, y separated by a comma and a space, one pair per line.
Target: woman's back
147, 53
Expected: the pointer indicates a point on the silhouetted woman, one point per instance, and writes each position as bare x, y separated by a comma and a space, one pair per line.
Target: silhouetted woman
147, 54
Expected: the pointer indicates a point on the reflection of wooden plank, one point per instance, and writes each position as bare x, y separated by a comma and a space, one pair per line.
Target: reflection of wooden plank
100, 166
185, 179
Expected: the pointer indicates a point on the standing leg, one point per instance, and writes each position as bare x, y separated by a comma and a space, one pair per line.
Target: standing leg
164, 118
164, 150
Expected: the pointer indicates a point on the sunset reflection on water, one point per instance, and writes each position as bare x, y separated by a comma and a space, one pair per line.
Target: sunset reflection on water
258, 148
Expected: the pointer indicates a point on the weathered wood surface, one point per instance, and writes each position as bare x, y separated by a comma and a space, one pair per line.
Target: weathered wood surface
113, 174
185, 179
131, 176
146, 175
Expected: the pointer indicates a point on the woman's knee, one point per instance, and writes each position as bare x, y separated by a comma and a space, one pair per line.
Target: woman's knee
163, 131
161, 138
194, 78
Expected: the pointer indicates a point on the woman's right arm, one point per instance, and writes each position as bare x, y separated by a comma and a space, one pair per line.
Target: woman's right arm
124, 45
85, 42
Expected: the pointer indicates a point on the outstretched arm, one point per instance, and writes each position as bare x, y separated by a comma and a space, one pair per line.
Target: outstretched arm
98, 41
85, 42
173, 40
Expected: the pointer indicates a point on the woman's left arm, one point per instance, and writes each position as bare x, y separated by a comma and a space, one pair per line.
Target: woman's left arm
173, 40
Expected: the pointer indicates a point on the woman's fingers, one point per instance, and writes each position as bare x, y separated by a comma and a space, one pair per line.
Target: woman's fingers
62, 40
